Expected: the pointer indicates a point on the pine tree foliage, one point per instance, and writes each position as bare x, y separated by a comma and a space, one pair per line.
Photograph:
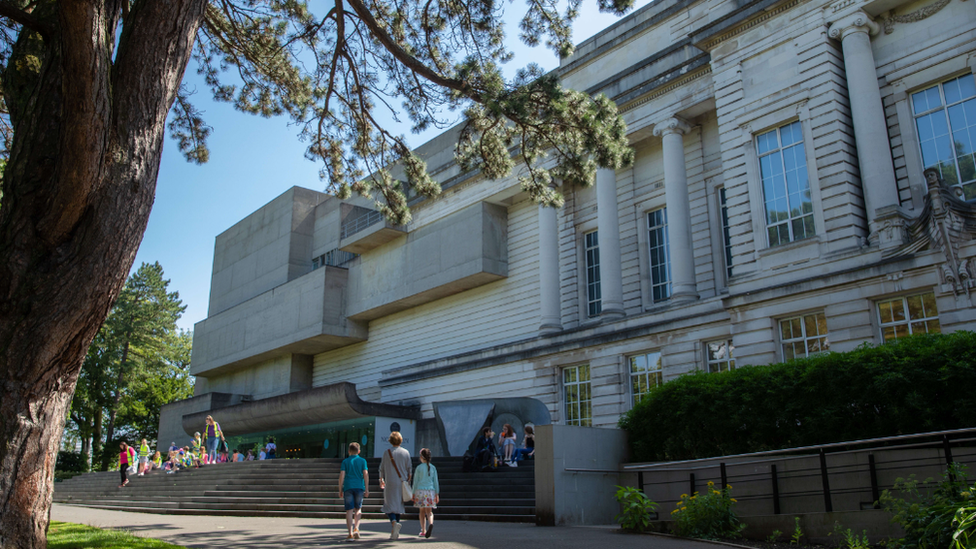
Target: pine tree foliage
338, 68
138, 361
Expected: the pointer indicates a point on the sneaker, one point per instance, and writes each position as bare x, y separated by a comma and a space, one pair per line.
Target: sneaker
514, 464
396, 531
141, 475
430, 529
350, 538
355, 535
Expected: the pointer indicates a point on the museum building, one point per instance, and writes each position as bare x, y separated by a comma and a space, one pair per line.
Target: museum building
804, 183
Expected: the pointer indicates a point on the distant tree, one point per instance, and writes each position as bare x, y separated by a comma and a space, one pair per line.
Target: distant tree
87, 86
163, 379
138, 350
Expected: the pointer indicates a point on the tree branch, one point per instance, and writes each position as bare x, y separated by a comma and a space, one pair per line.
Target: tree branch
15, 14
408, 60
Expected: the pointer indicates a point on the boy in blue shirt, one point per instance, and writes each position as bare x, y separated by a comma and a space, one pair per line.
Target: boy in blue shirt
353, 487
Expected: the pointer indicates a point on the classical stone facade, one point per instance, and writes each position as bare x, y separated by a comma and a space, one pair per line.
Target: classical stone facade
779, 205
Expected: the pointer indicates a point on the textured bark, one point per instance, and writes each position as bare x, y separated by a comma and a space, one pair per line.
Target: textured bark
78, 190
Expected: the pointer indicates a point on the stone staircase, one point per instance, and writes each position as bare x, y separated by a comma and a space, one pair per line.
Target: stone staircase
299, 488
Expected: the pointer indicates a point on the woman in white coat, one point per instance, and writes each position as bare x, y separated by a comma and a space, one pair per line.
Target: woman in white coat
395, 469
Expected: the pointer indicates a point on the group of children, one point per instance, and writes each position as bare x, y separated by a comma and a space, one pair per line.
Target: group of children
354, 487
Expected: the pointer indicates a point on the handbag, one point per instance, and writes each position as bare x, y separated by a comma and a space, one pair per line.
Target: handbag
407, 491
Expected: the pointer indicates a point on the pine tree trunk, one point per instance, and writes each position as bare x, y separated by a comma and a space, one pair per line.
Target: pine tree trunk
78, 189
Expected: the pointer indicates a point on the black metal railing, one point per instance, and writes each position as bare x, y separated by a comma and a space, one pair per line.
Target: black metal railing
781, 476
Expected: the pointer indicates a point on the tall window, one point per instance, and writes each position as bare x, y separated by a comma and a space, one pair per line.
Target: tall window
591, 246
719, 356
660, 254
786, 190
646, 373
576, 388
803, 336
945, 116
726, 234
902, 316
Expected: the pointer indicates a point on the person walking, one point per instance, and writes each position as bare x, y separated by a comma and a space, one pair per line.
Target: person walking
394, 471
212, 436
353, 487
126, 457
271, 449
426, 492
143, 458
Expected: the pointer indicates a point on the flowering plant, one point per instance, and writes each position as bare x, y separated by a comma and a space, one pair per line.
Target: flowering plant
707, 515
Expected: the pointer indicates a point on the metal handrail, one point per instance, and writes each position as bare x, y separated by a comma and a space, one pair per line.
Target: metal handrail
647, 466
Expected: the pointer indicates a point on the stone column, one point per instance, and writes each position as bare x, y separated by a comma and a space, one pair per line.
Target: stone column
608, 225
683, 286
870, 129
549, 271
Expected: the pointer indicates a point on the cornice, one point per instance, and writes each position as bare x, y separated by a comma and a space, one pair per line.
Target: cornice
658, 92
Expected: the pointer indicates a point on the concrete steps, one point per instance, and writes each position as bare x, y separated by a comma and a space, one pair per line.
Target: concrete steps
299, 488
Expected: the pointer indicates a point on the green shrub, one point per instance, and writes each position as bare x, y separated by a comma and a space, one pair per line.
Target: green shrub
71, 461
635, 508
917, 384
707, 515
927, 518
60, 475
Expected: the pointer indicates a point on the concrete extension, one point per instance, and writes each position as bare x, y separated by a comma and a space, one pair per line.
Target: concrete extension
274, 533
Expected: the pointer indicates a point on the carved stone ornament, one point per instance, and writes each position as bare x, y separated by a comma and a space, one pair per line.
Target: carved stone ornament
912, 17
945, 223
857, 21
671, 125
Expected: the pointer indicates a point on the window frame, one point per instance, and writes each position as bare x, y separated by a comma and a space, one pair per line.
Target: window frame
566, 404
663, 228
908, 320
825, 336
779, 153
726, 236
755, 123
591, 305
943, 107
658, 373
728, 361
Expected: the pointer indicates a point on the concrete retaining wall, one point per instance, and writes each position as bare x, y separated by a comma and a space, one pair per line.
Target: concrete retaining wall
565, 497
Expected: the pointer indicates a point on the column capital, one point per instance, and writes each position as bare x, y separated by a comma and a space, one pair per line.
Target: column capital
673, 125
857, 21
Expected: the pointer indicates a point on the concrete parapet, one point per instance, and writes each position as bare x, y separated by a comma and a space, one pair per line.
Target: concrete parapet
304, 316
465, 250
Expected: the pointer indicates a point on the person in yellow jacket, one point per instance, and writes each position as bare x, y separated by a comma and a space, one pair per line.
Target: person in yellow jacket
212, 436
143, 457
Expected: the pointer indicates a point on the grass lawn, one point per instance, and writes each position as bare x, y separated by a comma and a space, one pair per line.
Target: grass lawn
66, 535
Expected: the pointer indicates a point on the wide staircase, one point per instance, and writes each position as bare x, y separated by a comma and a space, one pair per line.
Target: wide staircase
299, 488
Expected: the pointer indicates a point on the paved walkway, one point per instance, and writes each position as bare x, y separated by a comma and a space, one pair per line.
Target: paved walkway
267, 533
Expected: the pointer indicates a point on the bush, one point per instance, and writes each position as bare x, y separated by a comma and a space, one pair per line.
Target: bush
917, 384
707, 515
636, 508
60, 475
927, 518
71, 461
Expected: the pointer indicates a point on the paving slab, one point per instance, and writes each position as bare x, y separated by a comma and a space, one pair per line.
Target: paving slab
217, 532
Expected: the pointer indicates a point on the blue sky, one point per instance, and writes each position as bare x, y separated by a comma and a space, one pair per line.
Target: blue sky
253, 160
